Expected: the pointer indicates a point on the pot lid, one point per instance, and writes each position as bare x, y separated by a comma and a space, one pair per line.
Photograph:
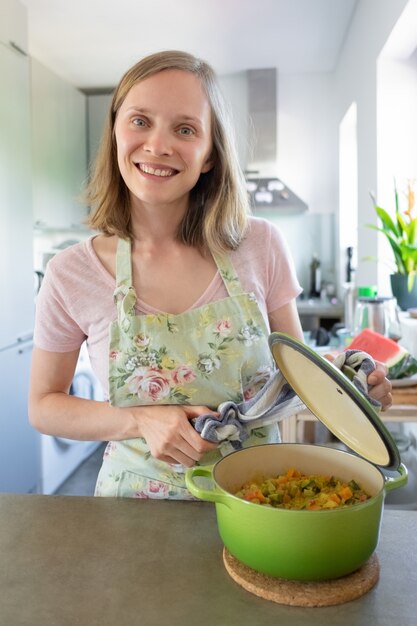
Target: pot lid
335, 401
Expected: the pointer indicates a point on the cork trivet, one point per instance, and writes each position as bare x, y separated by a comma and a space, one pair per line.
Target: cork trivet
301, 593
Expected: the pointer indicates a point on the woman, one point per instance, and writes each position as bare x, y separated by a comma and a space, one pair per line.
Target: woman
177, 295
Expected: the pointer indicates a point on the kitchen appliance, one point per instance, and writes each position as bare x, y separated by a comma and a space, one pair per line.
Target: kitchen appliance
379, 314
266, 190
300, 544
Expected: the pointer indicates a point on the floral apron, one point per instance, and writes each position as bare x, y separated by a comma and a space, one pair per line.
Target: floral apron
205, 356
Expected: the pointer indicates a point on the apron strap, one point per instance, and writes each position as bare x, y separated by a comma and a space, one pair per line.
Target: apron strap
124, 263
228, 274
124, 295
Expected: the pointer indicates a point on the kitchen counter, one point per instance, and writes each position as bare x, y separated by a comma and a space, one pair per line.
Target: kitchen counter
315, 312
319, 308
114, 562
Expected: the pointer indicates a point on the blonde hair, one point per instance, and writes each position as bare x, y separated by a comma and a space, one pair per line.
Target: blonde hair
218, 210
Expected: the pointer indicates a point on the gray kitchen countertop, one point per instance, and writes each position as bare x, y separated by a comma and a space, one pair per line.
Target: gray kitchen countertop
87, 561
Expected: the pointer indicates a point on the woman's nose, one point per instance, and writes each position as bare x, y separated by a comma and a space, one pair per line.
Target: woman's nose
158, 142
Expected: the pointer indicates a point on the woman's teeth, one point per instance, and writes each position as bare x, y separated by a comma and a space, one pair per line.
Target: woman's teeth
156, 172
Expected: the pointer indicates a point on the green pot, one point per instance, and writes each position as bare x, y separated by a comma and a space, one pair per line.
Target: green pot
295, 544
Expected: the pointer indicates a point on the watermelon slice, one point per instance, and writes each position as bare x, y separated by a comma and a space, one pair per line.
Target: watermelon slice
399, 361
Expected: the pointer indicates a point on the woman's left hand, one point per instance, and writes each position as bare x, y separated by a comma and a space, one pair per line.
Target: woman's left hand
380, 387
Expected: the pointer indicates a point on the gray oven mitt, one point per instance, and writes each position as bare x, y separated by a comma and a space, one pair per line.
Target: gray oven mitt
357, 366
274, 402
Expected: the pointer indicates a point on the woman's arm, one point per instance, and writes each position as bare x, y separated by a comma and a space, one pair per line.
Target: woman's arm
286, 320
53, 411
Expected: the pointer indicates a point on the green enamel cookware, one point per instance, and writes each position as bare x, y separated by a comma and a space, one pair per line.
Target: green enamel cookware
301, 544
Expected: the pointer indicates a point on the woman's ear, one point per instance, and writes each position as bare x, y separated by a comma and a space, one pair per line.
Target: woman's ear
207, 165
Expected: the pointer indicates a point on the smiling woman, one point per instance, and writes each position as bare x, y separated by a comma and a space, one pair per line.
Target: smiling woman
176, 296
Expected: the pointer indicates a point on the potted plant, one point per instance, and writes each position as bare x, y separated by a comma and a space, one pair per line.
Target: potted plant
401, 234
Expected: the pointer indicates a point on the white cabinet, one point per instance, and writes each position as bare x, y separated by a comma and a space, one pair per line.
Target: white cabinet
20, 461
59, 150
16, 221
19, 442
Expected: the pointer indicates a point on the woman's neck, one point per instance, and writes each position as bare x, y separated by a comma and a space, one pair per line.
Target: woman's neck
156, 224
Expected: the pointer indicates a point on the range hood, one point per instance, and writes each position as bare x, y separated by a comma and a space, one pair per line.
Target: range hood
266, 189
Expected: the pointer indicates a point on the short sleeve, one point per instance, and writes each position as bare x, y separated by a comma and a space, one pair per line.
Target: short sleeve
281, 278
55, 328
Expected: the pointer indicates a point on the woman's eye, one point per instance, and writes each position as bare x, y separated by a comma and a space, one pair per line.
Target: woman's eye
139, 122
185, 130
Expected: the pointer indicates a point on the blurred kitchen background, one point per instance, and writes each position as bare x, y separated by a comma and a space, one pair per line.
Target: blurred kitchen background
323, 94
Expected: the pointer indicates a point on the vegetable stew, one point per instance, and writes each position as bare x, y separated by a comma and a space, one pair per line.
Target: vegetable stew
295, 490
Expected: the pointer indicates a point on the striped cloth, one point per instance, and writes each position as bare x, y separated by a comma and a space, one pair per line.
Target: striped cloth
274, 402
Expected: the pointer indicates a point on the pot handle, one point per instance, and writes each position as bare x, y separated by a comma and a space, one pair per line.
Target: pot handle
399, 481
213, 495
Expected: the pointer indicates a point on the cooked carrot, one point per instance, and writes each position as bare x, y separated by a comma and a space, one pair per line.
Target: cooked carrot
345, 493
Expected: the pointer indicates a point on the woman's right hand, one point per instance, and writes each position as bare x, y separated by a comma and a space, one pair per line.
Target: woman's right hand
169, 434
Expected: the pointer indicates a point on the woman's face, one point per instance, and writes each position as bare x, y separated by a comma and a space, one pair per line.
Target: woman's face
163, 137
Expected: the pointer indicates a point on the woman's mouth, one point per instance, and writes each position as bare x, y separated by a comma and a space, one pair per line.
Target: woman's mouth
156, 170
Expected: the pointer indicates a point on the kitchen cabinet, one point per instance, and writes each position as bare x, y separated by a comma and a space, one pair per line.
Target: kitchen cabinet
98, 106
20, 460
16, 221
315, 313
59, 150
13, 31
19, 442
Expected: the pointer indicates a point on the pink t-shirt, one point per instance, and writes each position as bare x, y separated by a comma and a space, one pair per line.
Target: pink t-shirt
76, 303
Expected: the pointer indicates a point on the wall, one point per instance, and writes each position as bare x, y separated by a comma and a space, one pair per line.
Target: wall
305, 161
305, 142
355, 80
396, 131
306, 234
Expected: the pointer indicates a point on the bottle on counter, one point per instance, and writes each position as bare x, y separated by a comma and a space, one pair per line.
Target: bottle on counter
350, 264
315, 277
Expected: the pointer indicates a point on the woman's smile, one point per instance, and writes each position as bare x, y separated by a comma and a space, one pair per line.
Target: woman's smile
156, 170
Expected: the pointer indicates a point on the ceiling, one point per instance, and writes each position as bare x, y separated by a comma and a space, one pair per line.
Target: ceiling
91, 43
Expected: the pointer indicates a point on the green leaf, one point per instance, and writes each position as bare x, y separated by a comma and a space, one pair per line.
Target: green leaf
395, 248
387, 221
412, 231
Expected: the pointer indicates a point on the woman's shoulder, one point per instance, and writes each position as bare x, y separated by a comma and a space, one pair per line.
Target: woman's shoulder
80, 259
263, 233
73, 253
